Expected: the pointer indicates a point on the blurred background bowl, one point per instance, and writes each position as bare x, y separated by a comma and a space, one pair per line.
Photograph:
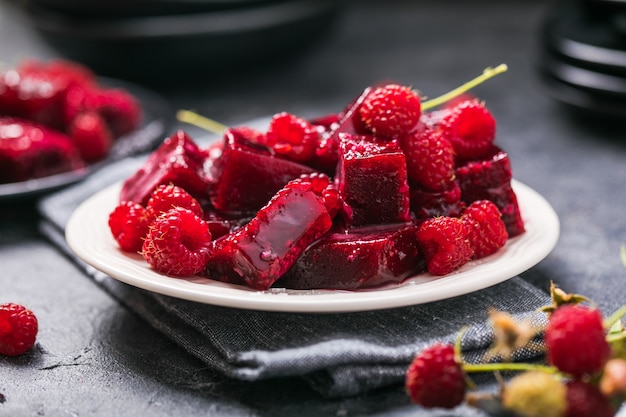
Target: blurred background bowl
166, 41
583, 56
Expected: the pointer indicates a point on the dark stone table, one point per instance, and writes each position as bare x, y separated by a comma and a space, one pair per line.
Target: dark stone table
95, 358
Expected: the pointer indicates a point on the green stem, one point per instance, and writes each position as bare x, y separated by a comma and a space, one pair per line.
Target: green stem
619, 337
202, 122
487, 74
613, 318
492, 367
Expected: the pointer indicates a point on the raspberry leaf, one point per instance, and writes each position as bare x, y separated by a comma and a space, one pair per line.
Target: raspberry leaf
560, 297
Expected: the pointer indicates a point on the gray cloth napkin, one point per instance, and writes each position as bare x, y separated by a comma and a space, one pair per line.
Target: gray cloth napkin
337, 354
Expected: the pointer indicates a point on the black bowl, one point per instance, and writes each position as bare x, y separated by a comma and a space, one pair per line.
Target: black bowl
168, 48
582, 59
126, 8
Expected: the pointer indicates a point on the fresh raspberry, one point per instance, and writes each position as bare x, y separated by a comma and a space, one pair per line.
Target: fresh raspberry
292, 137
18, 329
166, 197
470, 128
487, 230
129, 223
535, 394
445, 244
429, 159
586, 400
435, 378
118, 107
391, 110
91, 136
576, 341
177, 243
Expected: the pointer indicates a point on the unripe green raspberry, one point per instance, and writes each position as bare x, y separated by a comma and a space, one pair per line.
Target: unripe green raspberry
535, 394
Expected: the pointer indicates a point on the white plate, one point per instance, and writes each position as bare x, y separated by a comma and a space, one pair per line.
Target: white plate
88, 235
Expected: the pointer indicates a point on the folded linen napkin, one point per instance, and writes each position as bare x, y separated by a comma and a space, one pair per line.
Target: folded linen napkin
337, 354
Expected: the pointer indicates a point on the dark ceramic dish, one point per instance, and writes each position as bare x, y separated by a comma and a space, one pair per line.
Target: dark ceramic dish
200, 38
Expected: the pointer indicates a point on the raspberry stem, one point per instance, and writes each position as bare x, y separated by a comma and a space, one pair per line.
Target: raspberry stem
193, 118
491, 367
615, 317
487, 74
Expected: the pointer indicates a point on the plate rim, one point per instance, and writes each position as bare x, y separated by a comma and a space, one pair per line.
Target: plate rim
542, 224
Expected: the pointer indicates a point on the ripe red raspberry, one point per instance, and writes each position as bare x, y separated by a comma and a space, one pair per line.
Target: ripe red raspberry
177, 243
487, 230
429, 159
91, 135
391, 110
576, 341
166, 197
129, 223
444, 242
119, 108
586, 400
18, 329
292, 137
435, 378
470, 128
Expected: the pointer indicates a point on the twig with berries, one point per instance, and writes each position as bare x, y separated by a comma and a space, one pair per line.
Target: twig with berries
584, 373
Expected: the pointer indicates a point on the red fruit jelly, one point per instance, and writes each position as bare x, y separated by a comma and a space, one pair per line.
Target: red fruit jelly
364, 258
248, 175
30, 150
177, 161
490, 179
259, 253
372, 181
427, 203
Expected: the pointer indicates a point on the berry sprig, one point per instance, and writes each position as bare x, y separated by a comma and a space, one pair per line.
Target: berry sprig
584, 373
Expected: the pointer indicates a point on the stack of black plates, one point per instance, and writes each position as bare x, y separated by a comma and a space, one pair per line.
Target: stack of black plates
168, 40
583, 55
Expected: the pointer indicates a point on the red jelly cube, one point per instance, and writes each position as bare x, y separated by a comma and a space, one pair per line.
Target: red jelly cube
248, 175
427, 203
372, 180
31, 150
263, 250
365, 258
490, 179
177, 161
